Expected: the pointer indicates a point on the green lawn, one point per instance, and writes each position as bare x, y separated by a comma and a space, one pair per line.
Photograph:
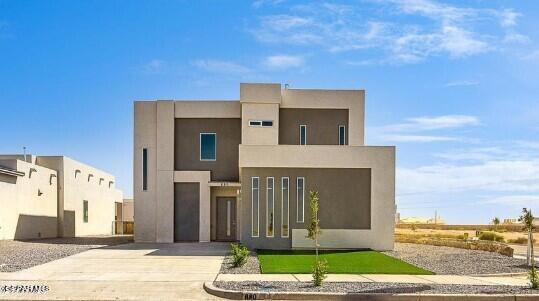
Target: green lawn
340, 262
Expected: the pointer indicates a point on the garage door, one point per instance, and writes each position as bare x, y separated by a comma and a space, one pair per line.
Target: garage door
186, 211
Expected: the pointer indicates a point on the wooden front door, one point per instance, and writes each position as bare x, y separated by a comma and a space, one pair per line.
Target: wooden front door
226, 219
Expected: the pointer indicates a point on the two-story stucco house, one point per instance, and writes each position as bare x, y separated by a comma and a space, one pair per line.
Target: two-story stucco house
242, 170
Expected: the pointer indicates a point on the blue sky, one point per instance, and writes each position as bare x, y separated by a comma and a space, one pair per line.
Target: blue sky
455, 85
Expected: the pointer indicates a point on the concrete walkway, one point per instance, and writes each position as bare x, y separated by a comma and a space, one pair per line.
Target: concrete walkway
423, 279
125, 272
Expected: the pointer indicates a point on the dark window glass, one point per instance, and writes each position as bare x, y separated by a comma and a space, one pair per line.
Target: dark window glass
267, 123
144, 169
342, 135
85, 211
255, 123
302, 134
207, 146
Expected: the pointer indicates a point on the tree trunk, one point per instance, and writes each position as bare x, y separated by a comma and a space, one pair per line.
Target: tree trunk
530, 248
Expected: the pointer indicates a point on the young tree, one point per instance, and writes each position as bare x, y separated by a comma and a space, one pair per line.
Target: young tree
527, 219
314, 231
495, 222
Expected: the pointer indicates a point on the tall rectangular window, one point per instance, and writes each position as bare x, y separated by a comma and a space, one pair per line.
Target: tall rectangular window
270, 207
85, 211
254, 206
208, 143
342, 135
300, 197
302, 134
144, 169
285, 206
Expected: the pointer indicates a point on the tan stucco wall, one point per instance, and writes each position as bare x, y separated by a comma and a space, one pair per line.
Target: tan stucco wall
353, 100
80, 182
381, 161
128, 210
260, 93
23, 213
207, 109
259, 135
203, 178
145, 136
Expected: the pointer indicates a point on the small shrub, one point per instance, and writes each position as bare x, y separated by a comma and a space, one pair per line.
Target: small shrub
491, 236
239, 254
413, 227
533, 277
320, 270
463, 236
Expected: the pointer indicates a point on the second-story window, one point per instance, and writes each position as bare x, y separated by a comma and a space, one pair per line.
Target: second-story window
342, 135
302, 134
261, 123
208, 144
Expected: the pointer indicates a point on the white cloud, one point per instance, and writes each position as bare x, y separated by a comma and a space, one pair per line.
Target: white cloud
533, 56
219, 66
412, 130
443, 122
154, 66
284, 61
449, 30
516, 200
260, 3
515, 38
417, 138
462, 83
489, 176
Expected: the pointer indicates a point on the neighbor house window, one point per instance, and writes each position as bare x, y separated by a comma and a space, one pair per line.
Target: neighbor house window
285, 206
85, 211
300, 197
342, 135
144, 169
208, 146
270, 196
302, 134
262, 123
254, 206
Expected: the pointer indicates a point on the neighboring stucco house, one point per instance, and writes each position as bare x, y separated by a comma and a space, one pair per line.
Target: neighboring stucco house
242, 170
54, 196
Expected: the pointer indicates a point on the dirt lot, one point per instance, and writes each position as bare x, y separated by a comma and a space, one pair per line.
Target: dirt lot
471, 233
18, 255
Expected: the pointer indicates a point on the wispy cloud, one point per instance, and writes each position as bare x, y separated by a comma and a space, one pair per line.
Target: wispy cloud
449, 30
218, 66
417, 138
259, 3
154, 66
282, 62
462, 83
533, 56
515, 200
413, 129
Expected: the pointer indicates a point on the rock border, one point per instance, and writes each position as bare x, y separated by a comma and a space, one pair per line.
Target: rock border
251, 295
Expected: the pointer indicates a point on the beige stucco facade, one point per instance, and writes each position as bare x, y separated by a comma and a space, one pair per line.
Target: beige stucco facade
65, 185
154, 135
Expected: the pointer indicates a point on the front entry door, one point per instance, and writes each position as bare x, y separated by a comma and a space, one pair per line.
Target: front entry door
226, 219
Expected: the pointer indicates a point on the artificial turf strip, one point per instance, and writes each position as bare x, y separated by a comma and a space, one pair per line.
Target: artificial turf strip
339, 262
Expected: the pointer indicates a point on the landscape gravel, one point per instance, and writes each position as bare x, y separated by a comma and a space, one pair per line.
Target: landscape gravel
371, 288
252, 266
453, 261
17, 255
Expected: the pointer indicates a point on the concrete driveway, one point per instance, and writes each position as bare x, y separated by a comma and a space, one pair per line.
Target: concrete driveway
125, 272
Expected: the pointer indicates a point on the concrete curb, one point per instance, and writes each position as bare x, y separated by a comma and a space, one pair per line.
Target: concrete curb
500, 275
250, 295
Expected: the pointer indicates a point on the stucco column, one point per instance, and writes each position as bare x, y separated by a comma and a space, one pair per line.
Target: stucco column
165, 171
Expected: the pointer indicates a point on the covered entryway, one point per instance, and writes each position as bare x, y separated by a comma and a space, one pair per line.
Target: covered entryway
186, 211
226, 219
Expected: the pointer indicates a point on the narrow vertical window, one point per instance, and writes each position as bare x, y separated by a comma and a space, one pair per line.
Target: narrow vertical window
342, 135
254, 206
270, 208
208, 146
285, 206
300, 197
302, 134
144, 169
85, 211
